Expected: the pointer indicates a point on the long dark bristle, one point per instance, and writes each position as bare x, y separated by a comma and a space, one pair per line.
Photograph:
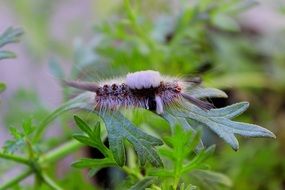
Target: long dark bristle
88, 86
201, 104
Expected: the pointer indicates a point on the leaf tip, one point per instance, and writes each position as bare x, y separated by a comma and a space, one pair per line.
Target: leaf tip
271, 135
235, 146
245, 104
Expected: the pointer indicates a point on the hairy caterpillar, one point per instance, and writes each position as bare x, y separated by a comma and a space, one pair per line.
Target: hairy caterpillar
146, 89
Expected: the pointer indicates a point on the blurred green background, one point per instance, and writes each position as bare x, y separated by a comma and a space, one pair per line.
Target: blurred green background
237, 46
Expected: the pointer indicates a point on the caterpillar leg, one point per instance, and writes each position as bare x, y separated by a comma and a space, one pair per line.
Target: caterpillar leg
159, 105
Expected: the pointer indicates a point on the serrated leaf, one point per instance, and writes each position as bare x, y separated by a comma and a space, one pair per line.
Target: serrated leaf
7, 55
120, 128
94, 163
142, 184
12, 146
94, 136
218, 120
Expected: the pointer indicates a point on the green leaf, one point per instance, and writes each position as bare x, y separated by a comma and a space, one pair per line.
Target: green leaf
10, 35
218, 120
83, 126
92, 172
94, 136
174, 121
11, 146
160, 172
15, 133
211, 180
199, 159
120, 128
7, 55
85, 140
188, 187
19, 136
230, 111
181, 146
94, 163
142, 184
2, 87
198, 92
27, 127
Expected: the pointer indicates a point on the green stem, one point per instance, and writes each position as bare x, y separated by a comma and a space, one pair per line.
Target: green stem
51, 156
155, 187
50, 182
61, 151
15, 158
40, 129
38, 182
71, 104
16, 180
177, 169
30, 148
132, 172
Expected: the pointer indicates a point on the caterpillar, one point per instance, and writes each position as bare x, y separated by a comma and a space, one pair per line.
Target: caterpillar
146, 89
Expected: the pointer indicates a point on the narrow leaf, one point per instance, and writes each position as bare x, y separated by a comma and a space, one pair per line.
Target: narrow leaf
230, 111
85, 140
94, 138
10, 35
83, 126
93, 163
7, 55
198, 92
27, 127
143, 184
